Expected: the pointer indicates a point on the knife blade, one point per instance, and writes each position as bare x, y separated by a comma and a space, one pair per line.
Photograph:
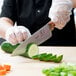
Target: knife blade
38, 37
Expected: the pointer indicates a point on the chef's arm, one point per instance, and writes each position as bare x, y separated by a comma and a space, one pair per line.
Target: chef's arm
13, 34
5, 23
60, 12
74, 3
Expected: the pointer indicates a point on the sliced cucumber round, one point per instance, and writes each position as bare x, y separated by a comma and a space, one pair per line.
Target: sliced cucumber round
31, 50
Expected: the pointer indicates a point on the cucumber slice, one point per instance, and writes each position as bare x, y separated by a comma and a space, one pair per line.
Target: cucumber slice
42, 56
31, 50
48, 57
35, 57
58, 59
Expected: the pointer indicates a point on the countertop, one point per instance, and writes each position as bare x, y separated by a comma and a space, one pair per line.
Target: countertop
21, 66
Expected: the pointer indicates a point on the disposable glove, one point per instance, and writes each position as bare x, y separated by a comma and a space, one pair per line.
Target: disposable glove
17, 34
60, 12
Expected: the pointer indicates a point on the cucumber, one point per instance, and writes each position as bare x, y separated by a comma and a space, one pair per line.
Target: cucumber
42, 56
58, 59
35, 57
31, 50
7, 47
48, 57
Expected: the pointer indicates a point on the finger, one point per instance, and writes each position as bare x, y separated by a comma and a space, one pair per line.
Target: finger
12, 39
18, 35
26, 33
25, 36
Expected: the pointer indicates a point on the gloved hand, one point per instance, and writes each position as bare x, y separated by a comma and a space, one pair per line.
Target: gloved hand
17, 34
60, 12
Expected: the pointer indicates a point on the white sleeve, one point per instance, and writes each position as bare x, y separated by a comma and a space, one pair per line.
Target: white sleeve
60, 12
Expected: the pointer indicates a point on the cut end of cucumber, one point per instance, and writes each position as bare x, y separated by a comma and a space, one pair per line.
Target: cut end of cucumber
33, 50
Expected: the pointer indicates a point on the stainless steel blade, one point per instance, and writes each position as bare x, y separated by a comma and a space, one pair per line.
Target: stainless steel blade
38, 37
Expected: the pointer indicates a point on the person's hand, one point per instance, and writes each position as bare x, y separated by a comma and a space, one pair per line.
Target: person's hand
52, 25
60, 12
17, 34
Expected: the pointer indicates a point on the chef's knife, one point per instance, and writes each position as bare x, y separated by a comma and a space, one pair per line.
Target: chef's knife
38, 37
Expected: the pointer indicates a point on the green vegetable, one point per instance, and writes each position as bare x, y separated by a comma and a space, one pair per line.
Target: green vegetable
7, 47
35, 57
48, 57
42, 56
61, 70
58, 59
72, 72
31, 50
53, 57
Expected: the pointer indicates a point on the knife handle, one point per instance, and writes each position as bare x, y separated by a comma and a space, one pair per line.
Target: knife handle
51, 25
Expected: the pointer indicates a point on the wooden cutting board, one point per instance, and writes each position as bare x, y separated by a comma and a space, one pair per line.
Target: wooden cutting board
22, 66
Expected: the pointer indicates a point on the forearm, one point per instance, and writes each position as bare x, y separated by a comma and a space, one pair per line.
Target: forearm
5, 23
74, 3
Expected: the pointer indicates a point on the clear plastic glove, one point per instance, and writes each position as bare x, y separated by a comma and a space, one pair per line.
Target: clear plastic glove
17, 34
60, 12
